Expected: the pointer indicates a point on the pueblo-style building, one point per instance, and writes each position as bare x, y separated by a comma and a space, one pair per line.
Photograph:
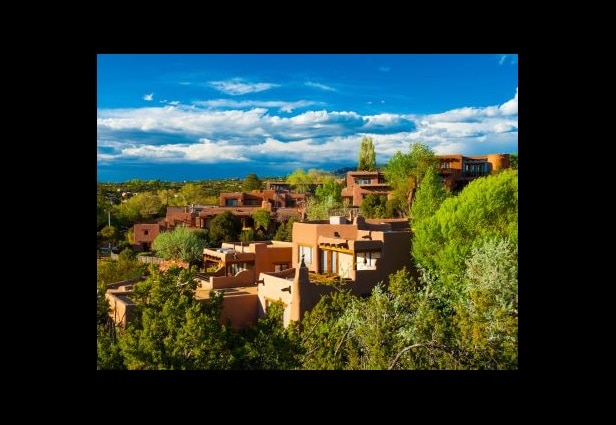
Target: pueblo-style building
357, 253
277, 200
359, 184
457, 171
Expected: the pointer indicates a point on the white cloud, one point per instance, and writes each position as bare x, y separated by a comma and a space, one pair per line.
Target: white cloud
319, 86
149, 97
200, 133
384, 69
283, 106
236, 86
513, 59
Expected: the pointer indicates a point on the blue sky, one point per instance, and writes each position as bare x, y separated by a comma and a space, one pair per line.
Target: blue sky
205, 116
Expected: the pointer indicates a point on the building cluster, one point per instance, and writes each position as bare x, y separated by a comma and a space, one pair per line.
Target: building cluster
352, 251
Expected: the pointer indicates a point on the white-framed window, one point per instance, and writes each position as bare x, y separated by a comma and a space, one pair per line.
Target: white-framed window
367, 260
306, 251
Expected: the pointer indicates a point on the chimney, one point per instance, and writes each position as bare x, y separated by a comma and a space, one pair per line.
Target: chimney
301, 280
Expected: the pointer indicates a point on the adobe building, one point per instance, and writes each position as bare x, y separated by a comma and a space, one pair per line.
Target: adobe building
359, 184
457, 171
235, 268
120, 304
144, 234
359, 253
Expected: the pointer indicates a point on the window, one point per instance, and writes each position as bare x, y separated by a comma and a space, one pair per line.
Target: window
367, 260
329, 261
280, 267
231, 202
306, 251
146, 232
323, 265
363, 181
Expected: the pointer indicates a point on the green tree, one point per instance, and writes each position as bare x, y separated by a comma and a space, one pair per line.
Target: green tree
191, 194
225, 227
429, 196
251, 182
367, 156
125, 267
269, 345
139, 208
374, 206
108, 353
300, 180
173, 330
487, 310
486, 208
285, 231
110, 235
319, 210
167, 196
323, 333
179, 244
247, 235
261, 218
329, 189
404, 172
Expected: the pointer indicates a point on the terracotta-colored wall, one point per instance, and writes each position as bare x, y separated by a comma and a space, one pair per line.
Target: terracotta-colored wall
139, 232
395, 251
499, 161
243, 278
242, 310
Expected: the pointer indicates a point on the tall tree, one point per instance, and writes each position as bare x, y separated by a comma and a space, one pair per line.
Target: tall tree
300, 180
367, 156
180, 244
405, 171
251, 182
428, 197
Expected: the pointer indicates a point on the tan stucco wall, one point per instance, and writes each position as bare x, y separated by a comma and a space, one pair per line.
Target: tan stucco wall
121, 307
271, 289
242, 310
243, 278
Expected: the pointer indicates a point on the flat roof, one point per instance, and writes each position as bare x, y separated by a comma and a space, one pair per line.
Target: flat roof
204, 294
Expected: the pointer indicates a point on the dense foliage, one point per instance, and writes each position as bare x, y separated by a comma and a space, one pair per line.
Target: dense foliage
405, 171
225, 227
180, 244
367, 156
